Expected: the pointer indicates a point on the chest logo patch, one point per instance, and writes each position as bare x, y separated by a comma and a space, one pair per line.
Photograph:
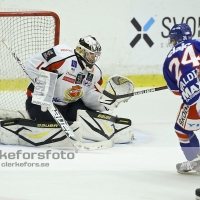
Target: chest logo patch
73, 93
79, 78
74, 64
49, 54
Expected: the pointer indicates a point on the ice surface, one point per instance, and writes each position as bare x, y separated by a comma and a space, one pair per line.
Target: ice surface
141, 170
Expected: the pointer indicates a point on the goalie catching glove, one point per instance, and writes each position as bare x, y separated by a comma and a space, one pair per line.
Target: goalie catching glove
115, 85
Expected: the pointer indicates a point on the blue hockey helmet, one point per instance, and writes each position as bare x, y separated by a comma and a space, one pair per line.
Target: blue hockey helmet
180, 32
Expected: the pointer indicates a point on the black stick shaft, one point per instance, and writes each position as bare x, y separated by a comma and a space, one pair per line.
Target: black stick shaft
134, 93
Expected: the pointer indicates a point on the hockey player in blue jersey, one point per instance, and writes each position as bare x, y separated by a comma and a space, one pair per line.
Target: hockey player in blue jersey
181, 72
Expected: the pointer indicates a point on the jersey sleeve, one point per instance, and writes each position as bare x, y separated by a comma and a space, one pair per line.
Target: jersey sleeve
49, 60
91, 97
171, 83
90, 100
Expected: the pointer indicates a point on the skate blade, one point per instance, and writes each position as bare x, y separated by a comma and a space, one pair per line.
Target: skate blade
190, 173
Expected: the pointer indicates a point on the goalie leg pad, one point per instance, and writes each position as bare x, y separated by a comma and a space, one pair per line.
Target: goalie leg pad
11, 114
100, 127
36, 133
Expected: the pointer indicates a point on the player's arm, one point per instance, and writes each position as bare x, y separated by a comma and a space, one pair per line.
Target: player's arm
35, 63
172, 85
48, 60
40, 68
91, 97
115, 85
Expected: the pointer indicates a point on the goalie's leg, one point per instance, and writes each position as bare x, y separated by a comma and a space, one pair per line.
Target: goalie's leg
11, 114
186, 125
68, 112
100, 127
36, 133
36, 113
44, 134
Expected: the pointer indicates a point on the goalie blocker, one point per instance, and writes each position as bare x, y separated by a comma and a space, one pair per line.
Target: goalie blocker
89, 125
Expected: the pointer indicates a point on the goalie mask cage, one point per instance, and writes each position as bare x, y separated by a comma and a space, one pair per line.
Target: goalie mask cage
27, 32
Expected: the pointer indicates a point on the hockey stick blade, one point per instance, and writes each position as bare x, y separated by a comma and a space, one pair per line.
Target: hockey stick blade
94, 145
115, 97
60, 119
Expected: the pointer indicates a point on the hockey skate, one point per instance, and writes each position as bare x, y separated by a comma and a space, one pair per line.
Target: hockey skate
189, 167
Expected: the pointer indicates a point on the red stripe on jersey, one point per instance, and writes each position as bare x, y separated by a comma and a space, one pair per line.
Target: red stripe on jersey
68, 79
55, 65
100, 82
182, 136
176, 93
38, 67
193, 112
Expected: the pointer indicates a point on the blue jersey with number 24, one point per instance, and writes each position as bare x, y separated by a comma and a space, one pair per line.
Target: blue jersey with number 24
181, 69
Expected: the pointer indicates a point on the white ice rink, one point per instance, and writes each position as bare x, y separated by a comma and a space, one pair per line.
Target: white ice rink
141, 170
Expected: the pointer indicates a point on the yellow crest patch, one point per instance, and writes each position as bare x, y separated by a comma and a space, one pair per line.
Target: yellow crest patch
73, 93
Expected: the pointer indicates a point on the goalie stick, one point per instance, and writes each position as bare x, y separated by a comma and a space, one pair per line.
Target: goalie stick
60, 119
115, 97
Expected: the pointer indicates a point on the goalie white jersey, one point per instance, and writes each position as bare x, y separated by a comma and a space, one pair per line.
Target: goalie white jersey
74, 81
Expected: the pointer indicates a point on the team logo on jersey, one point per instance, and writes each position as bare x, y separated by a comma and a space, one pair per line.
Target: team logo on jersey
68, 79
182, 117
193, 125
49, 54
74, 93
87, 83
55, 99
79, 78
90, 77
74, 64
